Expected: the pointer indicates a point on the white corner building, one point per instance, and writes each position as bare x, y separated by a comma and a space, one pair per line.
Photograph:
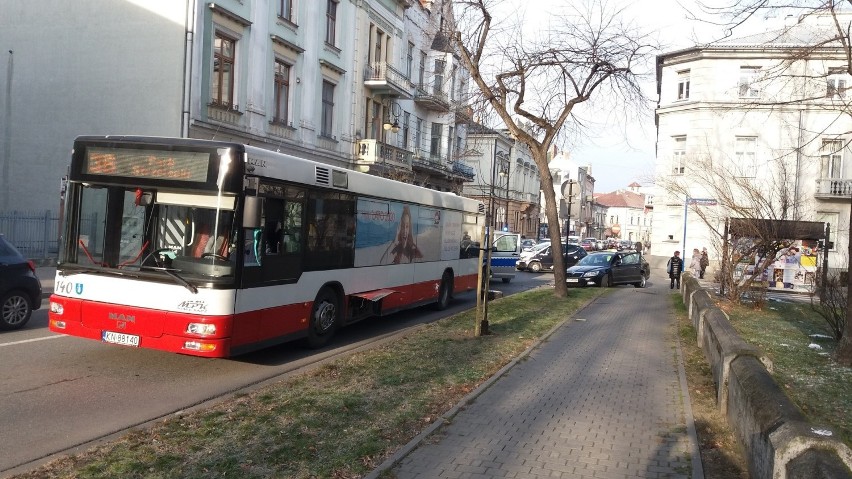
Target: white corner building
770, 110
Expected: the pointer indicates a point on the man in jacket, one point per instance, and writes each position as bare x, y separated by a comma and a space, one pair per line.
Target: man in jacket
674, 268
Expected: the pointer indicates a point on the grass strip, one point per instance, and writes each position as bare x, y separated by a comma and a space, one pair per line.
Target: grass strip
340, 420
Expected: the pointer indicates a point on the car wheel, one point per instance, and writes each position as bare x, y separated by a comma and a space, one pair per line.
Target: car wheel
605, 281
15, 310
324, 319
444, 292
641, 283
535, 267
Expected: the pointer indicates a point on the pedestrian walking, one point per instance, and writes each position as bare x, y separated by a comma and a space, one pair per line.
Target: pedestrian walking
674, 268
704, 263
695, 263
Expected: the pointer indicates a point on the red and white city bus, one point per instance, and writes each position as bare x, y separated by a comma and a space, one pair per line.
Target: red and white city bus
216, 249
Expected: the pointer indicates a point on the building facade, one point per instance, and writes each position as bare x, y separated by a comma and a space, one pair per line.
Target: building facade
768, 113
506, 180
626, 215
370, 84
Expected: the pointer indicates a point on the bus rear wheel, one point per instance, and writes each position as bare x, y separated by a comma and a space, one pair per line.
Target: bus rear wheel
324, 319
445, 292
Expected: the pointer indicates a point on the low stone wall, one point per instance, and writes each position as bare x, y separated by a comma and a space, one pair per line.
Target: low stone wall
778, 439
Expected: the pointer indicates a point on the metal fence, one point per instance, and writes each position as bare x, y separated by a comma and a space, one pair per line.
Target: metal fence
34, 233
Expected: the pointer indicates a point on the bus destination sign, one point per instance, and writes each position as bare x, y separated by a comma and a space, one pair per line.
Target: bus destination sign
156, 164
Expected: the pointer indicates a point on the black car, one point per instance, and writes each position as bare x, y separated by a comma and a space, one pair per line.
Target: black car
541, 259
20, 289
609, 268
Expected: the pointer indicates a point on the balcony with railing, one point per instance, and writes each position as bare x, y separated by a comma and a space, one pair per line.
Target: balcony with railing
463, 112
374, 152
828, 188
463, 170
430, 164
384, 79
431, 98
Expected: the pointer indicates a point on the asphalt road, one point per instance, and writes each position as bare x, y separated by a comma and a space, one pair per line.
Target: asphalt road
61, 394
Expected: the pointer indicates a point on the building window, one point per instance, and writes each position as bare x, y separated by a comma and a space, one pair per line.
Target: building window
330, 21
421, 73
683, 85
453, 83
748, 82
285, 9
418, 135
435, 144
831, 155
281, 94
833, 220
835, 84
406, 119
439, 76
224, 60
409, 60
745, 156
377, 50
679, 155
327, 108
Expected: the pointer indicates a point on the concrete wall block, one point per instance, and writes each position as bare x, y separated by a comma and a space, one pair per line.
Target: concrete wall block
701, 301
817, 464
722, 345
779, 441
756, 407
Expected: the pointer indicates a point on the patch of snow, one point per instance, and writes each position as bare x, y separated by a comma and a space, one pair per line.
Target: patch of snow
815, 346
822, 432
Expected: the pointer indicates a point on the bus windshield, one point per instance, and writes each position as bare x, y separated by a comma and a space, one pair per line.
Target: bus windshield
135, 229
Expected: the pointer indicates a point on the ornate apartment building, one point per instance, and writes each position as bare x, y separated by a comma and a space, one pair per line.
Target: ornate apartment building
767, 111
368, 84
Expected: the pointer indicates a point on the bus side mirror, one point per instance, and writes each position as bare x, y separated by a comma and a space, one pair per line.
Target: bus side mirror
251, 213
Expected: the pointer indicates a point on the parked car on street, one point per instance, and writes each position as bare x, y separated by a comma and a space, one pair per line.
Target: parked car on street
589, 244
20, 288
528, 244
609, 268
541, 259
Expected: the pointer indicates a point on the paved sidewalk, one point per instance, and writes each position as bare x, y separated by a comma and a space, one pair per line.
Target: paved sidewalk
603, 397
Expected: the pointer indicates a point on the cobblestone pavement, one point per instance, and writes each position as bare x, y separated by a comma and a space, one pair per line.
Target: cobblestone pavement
602, 397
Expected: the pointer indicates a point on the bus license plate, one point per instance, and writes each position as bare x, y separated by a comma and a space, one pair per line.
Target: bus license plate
573, 280
121, 338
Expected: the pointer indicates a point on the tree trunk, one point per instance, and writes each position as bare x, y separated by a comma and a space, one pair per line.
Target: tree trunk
560, 288
844, 348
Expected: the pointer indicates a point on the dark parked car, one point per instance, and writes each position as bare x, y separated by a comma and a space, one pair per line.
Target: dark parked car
527, 244
609, 268
541, 259
20, 289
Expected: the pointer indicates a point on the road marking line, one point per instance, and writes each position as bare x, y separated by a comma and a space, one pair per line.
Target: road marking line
30, 340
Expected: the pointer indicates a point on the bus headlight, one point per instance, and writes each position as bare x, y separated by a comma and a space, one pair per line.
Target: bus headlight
201, 328
56, 308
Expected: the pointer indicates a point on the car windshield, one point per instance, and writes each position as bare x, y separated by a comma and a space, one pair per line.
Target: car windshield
595, 260
540, 247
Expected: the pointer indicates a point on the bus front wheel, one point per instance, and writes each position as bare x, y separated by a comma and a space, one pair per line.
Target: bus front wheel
325, 318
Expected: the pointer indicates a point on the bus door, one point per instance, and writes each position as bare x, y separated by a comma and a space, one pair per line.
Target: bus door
274, 250
504, 255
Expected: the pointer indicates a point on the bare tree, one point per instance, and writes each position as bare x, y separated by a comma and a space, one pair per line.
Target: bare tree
760, 206
537, 80
828, 42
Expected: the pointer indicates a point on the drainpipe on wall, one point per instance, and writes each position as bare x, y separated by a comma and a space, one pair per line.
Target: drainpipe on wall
189, 45
7, 136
